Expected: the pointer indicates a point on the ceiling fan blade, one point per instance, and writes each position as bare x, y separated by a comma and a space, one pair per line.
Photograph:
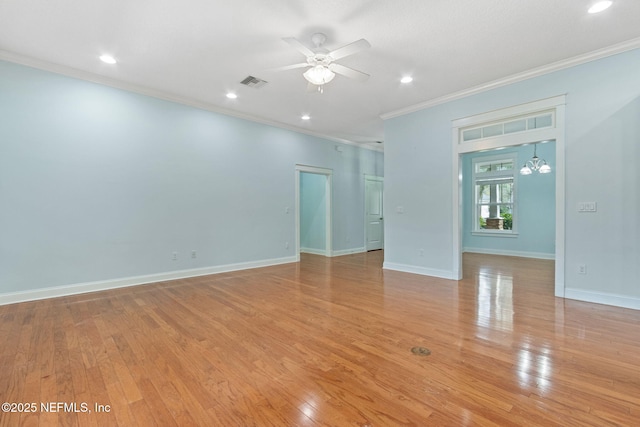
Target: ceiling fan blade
290, 67
293, 42
349, 72
350, 49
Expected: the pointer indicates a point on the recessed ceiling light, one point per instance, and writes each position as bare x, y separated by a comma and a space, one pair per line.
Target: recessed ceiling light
108, 59
406, 79
305, 117
600, 6
231, 95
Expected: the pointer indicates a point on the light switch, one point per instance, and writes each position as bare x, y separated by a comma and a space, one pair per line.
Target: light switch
587, 207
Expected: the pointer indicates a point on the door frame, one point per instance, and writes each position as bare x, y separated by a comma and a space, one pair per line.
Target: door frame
366, 219
328, 174
556, 132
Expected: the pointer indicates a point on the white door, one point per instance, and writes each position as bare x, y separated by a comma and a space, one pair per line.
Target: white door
374, 220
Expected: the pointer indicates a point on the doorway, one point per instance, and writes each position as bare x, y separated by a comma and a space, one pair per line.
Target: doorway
373, 211
505, 212
313, 210
542, 120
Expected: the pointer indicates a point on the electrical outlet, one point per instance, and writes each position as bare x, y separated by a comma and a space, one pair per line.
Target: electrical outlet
194, 254
174, 256
421, 252
582, 269
286, 245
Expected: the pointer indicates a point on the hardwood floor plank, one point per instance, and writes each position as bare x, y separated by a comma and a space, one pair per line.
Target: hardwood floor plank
154, 401
327, 342
100, 395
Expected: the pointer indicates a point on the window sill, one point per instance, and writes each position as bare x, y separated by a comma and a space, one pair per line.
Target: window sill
494, 234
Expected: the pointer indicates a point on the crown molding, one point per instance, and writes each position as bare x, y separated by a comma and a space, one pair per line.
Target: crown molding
514, 78
166, 96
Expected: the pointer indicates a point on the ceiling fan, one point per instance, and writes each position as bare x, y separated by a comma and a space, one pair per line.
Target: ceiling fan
320, 61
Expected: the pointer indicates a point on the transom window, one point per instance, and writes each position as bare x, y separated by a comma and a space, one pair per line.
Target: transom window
513, 125
495, 195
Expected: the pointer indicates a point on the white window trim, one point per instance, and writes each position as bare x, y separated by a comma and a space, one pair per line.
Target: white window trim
506, 120
513, 158
495, 233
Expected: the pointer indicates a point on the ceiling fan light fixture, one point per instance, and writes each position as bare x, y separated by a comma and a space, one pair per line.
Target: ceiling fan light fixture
319, 75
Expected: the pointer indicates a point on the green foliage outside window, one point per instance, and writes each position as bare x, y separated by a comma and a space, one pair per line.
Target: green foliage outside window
507, 224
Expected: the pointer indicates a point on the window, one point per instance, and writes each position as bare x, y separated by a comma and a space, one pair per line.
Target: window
505, 127
495, 195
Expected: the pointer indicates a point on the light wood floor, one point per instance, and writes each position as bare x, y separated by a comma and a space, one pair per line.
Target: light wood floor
326, 342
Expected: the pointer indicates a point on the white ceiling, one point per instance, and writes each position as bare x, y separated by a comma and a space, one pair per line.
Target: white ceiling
195, 51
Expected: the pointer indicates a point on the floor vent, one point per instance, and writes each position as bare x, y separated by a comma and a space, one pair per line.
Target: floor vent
253, 82
421, 351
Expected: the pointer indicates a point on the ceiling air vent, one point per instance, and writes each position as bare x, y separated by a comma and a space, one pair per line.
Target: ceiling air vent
253, 82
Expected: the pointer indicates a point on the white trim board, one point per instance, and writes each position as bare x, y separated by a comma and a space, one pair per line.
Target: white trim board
313, 251
521, 254
351, 251
341, 252
423, 271
104, 285
603, 298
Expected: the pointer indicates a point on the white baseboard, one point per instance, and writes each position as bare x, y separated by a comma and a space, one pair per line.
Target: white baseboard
341, 252
522, 254
443, 274
81, 288
313, 251
603, 298
348, 251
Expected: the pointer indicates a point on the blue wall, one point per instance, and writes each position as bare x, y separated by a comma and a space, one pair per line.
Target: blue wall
536, 206
602, 135
98, 183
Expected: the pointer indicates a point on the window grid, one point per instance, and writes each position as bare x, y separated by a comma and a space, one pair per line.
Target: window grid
508, 126
494, 200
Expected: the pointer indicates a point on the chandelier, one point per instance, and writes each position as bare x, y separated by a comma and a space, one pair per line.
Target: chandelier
536, 164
